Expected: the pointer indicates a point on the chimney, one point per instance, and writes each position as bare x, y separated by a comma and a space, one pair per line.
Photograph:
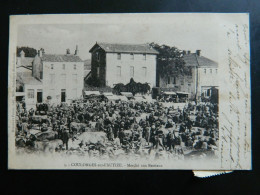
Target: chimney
198, 52
76, 51
67, 51
184, 52
22, 54
188, 51
40, 53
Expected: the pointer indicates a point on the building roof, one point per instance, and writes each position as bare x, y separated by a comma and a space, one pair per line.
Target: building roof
194, 60
87, 64
125, 48
24, 61
27, 78
60, 58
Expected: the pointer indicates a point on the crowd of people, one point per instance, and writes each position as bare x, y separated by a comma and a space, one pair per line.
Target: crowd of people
130, 125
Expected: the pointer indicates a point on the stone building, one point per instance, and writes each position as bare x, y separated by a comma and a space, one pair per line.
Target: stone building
118, 63
56, 78
203, 75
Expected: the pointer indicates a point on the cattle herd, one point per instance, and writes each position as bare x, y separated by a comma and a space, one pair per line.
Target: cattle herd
119, 129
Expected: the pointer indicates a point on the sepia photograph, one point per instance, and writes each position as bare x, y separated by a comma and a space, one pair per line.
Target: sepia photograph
129, 91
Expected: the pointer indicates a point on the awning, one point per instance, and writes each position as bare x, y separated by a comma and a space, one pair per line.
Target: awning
19, 93
127, 94
123, 98
92, 92
108, 94
139, 99
113, 97
184, 93
169, 93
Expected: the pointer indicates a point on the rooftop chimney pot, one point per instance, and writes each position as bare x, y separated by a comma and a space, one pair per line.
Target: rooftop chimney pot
22, 54
40, 53
198, 52
76, 51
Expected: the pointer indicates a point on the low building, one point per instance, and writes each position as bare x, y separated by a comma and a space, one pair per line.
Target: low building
118, 63
201, 77
55, 78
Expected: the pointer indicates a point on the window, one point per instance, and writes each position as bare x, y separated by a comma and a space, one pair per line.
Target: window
144, 71
63, 66
119, 56
182, 81
131, 72
51, 66
205, 71
41, 74
98, 56
216, 70
210, 71
132, 56
75, 78
174, 80
144, 56
75, 66
118, 71
169, 80
30, 93
98, 72
52, 78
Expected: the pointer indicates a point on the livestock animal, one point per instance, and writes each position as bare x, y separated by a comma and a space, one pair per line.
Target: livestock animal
48, 146
47, 135
87, 138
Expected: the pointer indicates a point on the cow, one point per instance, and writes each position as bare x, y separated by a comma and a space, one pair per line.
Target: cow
78, 127
20, 142
87, 138
47, 135
48, 146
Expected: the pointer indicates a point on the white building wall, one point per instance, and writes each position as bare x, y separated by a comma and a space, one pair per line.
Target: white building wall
125, 63
31, 102
207, 79
70, 79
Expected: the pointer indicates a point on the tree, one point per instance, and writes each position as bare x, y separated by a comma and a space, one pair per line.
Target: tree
170, 60
28, 51
132, 87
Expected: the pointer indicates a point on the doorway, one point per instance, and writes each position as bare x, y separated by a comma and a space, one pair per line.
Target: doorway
63, 95
39, 96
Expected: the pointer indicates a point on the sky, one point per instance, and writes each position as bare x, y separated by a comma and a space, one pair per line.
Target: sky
56, 38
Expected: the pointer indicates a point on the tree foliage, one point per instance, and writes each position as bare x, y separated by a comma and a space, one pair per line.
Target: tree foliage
170, 60
29, 52
132, 87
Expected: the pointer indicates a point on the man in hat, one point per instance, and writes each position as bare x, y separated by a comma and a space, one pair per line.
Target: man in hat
65, 137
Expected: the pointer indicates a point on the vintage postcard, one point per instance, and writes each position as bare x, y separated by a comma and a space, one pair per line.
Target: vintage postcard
129, 91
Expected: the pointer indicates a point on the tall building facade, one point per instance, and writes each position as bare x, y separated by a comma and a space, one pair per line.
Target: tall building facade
118, 63
55, 78
198, 82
